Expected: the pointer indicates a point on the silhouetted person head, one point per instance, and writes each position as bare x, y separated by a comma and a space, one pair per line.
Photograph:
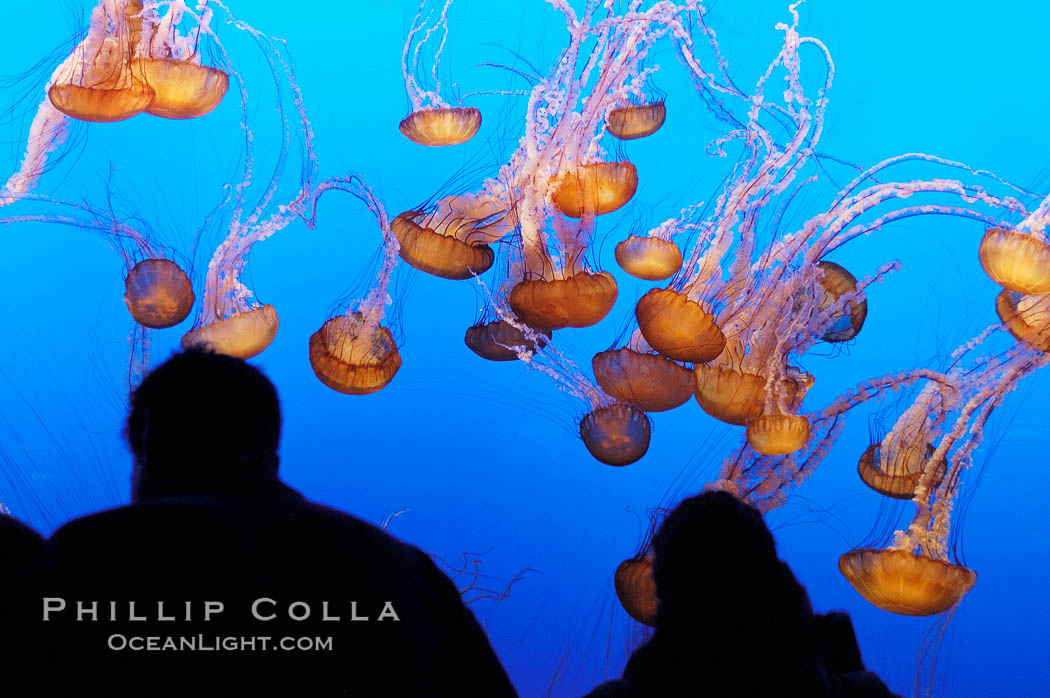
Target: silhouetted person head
202, 422
733, 620
710, 546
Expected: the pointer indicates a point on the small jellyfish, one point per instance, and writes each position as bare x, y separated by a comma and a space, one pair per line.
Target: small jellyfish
735, 396
438, 252
352, 356
441, 126
98, 82
501, 341
616, 434
1016, 261
580, 300
835, 283
1026, 317
432, 121
651, 382
777, 434
636, 121
636, 589
601, 187
677, 327
649, 258
901, 582
158, 293
897, 476
243, 334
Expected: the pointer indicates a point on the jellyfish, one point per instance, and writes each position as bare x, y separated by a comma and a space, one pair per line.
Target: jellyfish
452, 238
1016, 261
170, 63
615, 433
432, 122
595, 188
643, 378
99, 81
158, 293
636, 589
501, 341
636, 120
652, 257
231, 320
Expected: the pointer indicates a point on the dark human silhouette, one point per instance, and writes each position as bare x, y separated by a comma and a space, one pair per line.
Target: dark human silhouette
133, 594
19, 547
733, 621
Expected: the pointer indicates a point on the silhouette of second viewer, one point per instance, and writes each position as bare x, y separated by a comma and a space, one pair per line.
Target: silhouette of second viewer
223, 562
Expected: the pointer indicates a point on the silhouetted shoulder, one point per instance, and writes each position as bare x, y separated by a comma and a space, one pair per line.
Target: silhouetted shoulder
18, 542
386, 619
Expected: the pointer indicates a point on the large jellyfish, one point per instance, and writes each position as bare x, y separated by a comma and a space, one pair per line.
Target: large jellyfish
353, 352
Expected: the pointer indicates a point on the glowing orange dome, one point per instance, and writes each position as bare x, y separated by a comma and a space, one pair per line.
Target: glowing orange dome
184, 89
638, 121
598, 188
736, 396
1026, 317
353, 358
617, 434
242, 335
901, 582
437, 254
896, 479
1015, 261
649, 381
777, 434
114, 100
636, 589
649, 258
446, 126
158, 293
677, 327
837, 282
581, 300
498, 340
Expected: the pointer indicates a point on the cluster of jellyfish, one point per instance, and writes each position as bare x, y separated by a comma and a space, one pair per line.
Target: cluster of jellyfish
735, 308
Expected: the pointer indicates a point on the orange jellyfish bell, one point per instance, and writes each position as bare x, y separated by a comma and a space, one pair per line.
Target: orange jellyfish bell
734, 396
1015, 261
617, 434
352, 357
581, 300
896, 479
438, 254
636, 121
901, 582
777, 434
158, 293
636, 589
649, 381
677, 327
184, 89
444, 126
835, 283
601, 187
97, 82
1026, 317
501, 341
649, 258
242, 335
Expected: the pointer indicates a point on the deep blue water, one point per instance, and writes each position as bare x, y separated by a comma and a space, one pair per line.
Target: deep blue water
484, 456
